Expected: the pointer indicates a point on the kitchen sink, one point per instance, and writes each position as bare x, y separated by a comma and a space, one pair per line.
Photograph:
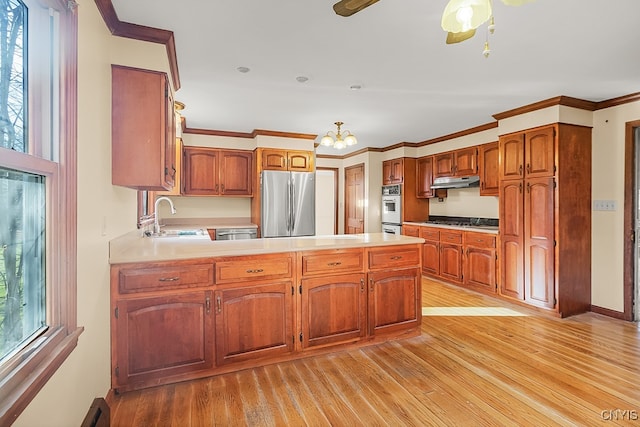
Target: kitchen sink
198, 232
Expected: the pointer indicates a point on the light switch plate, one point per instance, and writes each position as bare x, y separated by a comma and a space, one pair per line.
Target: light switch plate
605, 205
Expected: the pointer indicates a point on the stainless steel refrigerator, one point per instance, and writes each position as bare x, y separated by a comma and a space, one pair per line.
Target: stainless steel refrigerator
288, 203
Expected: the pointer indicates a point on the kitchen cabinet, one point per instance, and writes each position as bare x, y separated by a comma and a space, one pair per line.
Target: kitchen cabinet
451, 255
545, 217
142, 129
215, 172
462, 162
424, 177
480, 261
411, 230
430, 250
488, 155
253, 321
393, 171
287, 160
177, 185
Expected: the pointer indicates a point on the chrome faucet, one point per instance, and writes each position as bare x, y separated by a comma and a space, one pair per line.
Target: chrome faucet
156, 225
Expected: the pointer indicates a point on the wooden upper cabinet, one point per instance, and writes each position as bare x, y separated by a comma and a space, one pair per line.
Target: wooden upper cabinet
443, 165
177, 186
488, 169
214, 172
142, 129
393, 171
539, 152
424, 177
236, 171
287, 160
465, 161
512, 156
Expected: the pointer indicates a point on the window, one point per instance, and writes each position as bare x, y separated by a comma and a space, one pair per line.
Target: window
37, 196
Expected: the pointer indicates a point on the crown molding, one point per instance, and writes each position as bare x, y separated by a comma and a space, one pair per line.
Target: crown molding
264, 132
625, 99
143, 33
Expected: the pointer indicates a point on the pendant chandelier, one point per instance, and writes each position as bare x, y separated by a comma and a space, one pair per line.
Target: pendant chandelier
337, 140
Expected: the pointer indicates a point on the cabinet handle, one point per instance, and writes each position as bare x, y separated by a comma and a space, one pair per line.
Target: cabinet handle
257, 270
361, 285
371, 285
528, 168
520, 186
396, 257
219, 304
216, 189
520, 170
332, 264
208, 305
528, 187
168, 279
223, 188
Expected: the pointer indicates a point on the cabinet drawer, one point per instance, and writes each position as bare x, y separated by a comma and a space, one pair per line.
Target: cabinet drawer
479, 240
143, 279
454, 237
394, 256
238, 269
430, 233
335, 261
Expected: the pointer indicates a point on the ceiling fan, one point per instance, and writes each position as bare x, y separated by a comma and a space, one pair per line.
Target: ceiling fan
459, 19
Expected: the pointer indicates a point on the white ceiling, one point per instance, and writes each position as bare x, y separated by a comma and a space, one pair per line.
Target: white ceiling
414, 86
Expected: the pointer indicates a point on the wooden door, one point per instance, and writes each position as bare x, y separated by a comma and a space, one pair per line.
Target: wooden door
333, 309
431, 257
465, 161
443, 165
539, 152
236, 173
253, 322
539, 279
451, 262
488, 169
386, 172
424, 177
354, 199
480, 268
511, 156
397, 171
274, 160
300, 161
163, 336
393, 300
511, 203
200, 171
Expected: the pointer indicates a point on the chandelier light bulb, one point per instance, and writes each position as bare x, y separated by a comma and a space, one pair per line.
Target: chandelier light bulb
463, 16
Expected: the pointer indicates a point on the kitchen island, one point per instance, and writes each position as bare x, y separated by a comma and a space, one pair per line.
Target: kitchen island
187, 307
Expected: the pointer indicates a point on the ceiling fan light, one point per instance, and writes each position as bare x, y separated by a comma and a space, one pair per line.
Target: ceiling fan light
464, 15
326, 140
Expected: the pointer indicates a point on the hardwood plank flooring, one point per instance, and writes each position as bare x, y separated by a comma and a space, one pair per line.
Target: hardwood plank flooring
529, 370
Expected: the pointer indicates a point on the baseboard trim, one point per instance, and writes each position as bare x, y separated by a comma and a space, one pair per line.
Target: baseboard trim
608, 312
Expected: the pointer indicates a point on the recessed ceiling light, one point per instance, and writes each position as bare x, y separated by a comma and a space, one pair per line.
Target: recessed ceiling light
355, 87
302, 79
243, 69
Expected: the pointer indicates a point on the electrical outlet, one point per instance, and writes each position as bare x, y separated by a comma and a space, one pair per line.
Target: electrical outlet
605, 205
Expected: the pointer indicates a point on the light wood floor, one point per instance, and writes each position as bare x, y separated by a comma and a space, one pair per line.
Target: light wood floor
529, 370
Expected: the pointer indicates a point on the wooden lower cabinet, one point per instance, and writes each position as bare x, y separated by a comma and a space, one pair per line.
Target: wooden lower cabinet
480, 268
451, 262
162, 336
334, 309
394, 300
253, 321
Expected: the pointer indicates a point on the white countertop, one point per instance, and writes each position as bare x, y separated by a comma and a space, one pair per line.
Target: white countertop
133, 248
476, 228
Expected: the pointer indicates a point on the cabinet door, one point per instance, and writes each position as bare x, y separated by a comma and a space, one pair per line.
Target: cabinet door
163, 336
386, 173
443, 165
200, 171
424, 177
300, 161
334, 309
431, 257
170, 164
511, 156
480, 268
511, 202
254, 322
397, 171
451, 262
539, 152
177, 184
465, 161
274, 160
394, 301
539, 246
488, 155
236, 171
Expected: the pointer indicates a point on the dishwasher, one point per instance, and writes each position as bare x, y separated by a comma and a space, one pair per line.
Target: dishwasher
236, 233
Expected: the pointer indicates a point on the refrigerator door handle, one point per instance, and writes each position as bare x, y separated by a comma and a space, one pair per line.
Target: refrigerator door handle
288, 210
293, 203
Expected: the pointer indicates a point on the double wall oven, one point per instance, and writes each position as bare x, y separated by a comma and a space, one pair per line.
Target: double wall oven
391, 209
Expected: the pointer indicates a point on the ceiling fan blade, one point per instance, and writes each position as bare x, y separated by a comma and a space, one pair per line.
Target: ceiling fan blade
460, 37
349, 7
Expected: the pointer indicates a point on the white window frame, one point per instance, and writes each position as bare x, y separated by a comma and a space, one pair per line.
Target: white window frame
28, 370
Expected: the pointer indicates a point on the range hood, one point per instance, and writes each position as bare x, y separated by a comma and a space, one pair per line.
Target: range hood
456, 182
